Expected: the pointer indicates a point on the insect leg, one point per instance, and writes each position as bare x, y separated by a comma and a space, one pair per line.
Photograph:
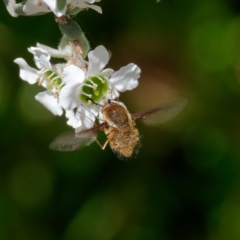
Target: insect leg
104, 145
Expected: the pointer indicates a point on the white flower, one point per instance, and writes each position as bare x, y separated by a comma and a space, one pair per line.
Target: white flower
80, 114
46, 75
96, 84
34, 7
126, 78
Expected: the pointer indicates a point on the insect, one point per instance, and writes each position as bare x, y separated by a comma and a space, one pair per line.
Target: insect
119, 126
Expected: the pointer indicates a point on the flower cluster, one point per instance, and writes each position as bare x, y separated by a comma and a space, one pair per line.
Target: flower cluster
76, 86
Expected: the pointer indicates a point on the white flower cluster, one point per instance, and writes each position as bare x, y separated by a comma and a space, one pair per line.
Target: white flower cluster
75, 86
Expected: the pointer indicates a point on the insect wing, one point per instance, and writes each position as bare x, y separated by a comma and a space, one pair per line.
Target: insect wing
70, 141
162, 113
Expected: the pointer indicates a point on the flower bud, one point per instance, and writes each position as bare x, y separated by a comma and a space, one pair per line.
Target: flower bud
72, 31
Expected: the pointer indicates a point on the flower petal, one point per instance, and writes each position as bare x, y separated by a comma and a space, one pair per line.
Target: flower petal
73, 120
69, 96
54, 6
50, 102
35, 6
126, 78
96, 8
27, 73
73, 74
98, 59
65, 47
88, 1
87, 119
41, 57
113, 93
107, 72
85, 4
10, 7
57, 53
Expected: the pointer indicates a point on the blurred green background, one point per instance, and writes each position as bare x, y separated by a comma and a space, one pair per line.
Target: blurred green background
184, 182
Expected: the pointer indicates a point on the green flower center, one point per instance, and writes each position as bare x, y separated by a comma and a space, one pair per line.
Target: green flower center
94, 88
55, 80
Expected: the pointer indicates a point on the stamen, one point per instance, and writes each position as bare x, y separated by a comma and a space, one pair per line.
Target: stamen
40, 80
41, 76
57, 77
88, 95
43, 70
89, 102
102, 79
51, 75
95, 86
61, 85
88, 85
